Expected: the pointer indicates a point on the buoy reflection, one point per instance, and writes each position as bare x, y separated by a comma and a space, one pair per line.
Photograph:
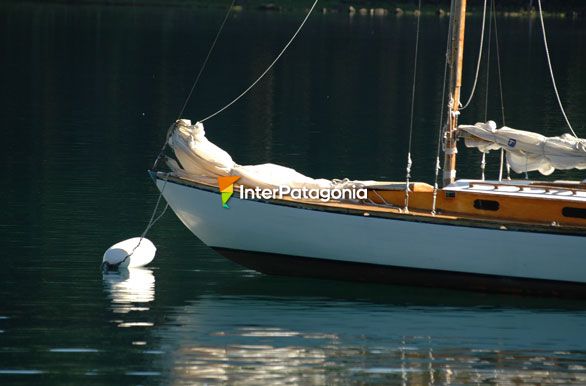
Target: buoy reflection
130, 289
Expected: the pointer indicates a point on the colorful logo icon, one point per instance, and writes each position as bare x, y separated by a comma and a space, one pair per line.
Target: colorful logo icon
226, 185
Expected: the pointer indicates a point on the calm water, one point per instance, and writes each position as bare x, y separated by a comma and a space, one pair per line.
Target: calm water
87, 94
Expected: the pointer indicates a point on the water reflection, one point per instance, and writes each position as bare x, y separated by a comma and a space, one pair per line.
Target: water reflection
251, 364
403, 336
130, 289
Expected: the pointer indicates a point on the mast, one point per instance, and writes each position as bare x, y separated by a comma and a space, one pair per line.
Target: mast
455, 62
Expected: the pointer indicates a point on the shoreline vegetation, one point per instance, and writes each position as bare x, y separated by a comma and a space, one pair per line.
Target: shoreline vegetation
375, 8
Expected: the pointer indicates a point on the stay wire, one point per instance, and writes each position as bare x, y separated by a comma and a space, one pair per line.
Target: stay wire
488, 52
479, 59
153, 220
555, 88
441, 120
268, 68
205, 62
500, 78
498, 63
409, 161
195, 82
487, 88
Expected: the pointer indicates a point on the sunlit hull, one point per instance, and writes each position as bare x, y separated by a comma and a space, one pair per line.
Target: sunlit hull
282, 239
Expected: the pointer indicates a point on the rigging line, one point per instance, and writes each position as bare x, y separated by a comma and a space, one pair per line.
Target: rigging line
500, 78
479, 59
268, 68
551, 69
488, 46
441, 121
487, 88
498, 63
151, 221
409, 162
205, 62
196, 81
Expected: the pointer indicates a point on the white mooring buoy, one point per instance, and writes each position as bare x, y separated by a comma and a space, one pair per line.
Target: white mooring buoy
129, 253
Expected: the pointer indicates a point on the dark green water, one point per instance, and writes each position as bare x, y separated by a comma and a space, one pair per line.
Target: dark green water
86, 96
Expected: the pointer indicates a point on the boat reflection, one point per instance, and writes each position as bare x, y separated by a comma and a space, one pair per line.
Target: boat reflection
130, 289
320, 332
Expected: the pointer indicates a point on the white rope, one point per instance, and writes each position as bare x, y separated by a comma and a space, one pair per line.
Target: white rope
555, 88
152, 221
479, 60
409, 162
268, 68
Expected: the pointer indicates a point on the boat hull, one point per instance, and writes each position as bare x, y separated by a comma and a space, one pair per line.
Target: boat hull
322, 244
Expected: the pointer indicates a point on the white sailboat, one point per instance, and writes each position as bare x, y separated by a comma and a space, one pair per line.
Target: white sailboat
505, 236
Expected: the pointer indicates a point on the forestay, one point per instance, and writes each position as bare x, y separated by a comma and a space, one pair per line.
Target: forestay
527, 151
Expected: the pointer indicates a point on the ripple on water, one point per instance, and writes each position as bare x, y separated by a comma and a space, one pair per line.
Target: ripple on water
143, 373
73, 350
20, 372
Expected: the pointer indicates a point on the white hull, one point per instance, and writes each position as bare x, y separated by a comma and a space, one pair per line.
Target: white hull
277, 229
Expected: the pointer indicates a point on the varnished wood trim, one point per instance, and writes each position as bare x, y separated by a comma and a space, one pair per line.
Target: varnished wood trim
396, 213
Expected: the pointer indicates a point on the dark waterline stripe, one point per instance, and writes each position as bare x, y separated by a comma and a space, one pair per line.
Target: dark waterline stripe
286, 265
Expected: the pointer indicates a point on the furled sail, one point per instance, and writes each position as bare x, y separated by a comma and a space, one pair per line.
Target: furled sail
525, 150
200, 157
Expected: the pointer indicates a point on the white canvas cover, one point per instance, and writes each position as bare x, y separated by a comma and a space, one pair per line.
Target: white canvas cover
197, 155
525, 150
200, 157
272, 176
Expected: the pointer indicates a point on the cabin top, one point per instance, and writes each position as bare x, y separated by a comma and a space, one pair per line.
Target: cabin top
566, 190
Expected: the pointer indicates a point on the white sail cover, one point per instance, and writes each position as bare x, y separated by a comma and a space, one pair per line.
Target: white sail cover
200, 157
197, 155
525, 150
